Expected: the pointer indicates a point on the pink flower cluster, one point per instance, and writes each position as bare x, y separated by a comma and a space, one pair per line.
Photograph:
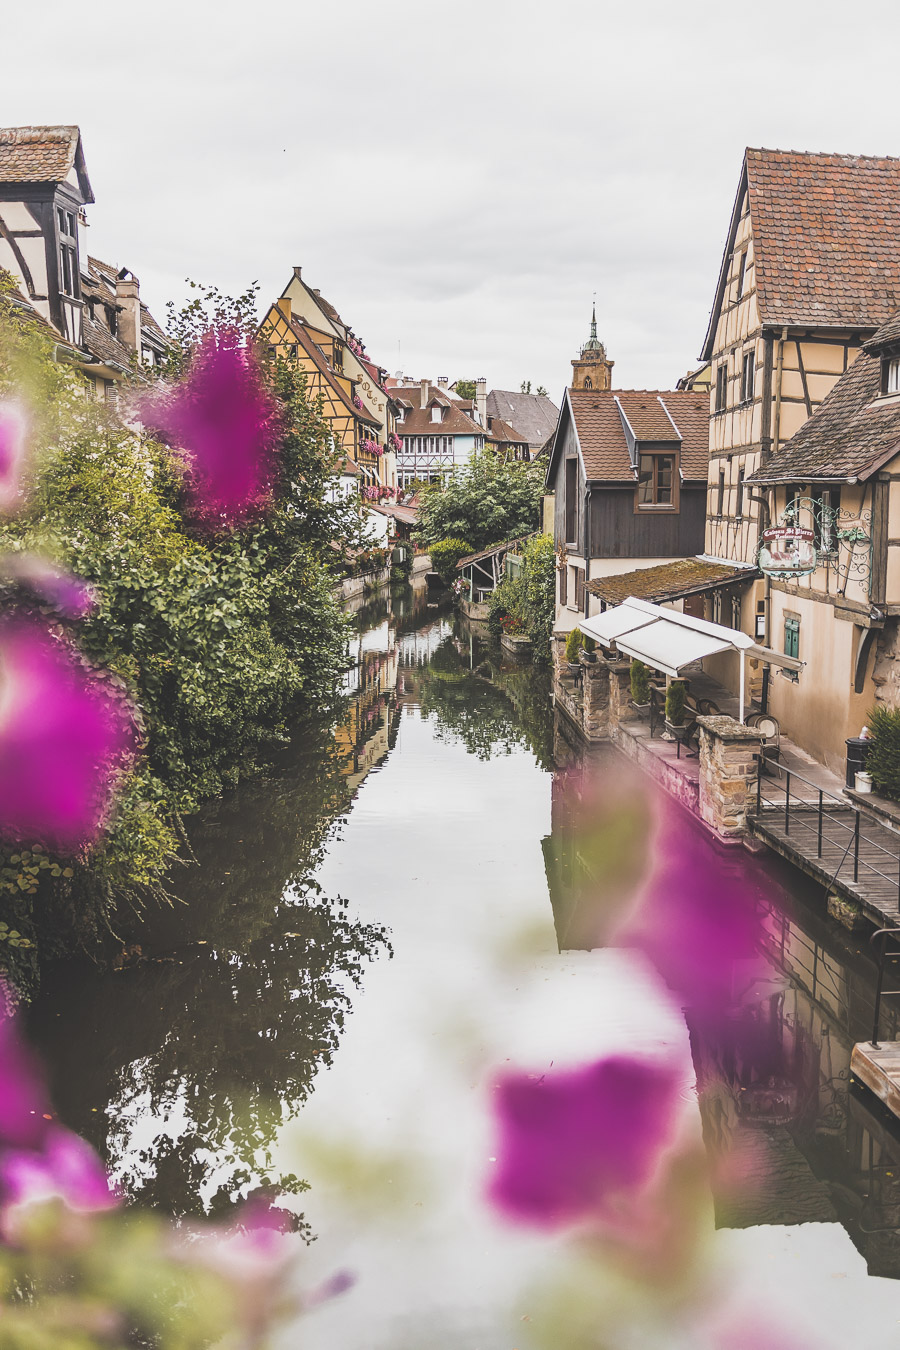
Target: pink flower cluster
223, 425
370, 447
357, 402
395, 442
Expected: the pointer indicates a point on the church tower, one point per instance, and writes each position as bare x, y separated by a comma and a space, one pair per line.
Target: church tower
591, 370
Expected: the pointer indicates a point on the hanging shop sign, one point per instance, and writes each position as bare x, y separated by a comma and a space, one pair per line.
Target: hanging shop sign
787, 550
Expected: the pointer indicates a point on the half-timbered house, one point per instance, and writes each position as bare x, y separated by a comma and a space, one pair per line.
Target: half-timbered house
838, 480
95, 309
319, 355
437, 434
348, 358
809, 271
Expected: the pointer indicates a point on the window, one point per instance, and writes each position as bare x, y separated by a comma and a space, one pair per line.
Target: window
760, 633
740, 277
720, 496
791, 636
890, 375
587, 383
571, 505
721, 386
656, 480
747, 372
739, 500
68, 252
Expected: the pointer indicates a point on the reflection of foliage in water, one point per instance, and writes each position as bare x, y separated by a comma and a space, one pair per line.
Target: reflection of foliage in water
234, 1002
493, 712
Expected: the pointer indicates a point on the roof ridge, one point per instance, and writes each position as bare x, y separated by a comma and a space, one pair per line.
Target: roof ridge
818, 154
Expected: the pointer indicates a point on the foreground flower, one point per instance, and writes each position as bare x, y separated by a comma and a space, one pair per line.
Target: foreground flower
223, 423
69, 595
578, 1145
13, 451
64, 735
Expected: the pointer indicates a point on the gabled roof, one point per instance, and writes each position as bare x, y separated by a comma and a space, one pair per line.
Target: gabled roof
852, 433
417, 421
495, 548
535, 415
298, 329
501, 433
98, 282
43, 155
825, 230
656, 417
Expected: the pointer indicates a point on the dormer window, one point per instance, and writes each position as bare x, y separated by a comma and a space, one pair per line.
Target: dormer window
891, 375
437, 413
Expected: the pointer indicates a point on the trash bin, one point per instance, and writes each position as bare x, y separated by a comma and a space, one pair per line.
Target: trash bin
858, 748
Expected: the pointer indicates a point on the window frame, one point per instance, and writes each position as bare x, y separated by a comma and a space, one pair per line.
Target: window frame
792, 636
655, 505
748, 375
721, 387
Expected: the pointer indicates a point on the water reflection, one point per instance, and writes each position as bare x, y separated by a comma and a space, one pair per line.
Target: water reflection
789, 1140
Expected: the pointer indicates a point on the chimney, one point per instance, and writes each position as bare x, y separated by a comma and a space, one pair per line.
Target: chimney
297, 271
442, 381
128, 296
481, 400
425, 393
284, 306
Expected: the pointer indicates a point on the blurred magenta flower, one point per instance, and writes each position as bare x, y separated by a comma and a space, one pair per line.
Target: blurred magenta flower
64, 735
68, 594
224, 424
24, 1105
575, 1144
13, 452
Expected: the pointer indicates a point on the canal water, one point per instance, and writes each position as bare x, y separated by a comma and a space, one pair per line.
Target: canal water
365, 940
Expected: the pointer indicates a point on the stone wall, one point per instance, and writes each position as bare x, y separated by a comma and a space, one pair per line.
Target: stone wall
728, 753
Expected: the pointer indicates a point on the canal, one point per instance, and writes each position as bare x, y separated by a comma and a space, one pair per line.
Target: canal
361, 942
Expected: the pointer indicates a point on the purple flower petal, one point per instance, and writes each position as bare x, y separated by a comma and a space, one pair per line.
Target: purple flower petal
66, 1168
223, 421
574, 1143
23, 1100
63, 737
13, 453
71, 596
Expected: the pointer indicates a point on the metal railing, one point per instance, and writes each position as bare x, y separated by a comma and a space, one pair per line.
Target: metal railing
815, 812
883, 936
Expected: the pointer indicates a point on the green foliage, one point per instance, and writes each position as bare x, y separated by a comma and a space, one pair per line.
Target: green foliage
675, 695
445, 554
223, 640
640, 682
529, 598
573, 644
465, 388
209, 309
883, 762
487, 503
588, 644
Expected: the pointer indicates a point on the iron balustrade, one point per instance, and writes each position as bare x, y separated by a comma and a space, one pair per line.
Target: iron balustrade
808, 811
883, 937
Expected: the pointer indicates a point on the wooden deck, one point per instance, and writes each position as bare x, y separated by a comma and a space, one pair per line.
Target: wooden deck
876, 888
878, 1067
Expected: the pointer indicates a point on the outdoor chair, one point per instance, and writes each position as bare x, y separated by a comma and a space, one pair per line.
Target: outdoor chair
701, 707
770, 731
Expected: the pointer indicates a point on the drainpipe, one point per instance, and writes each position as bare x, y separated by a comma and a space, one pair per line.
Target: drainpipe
587, 549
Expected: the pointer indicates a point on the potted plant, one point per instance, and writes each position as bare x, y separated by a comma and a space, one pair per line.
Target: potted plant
588, 649
675, 709
573, 646
640, 686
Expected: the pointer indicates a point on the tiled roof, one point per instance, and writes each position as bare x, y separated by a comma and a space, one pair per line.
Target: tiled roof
314, 351
407, 515
99, 341
417, 421
42, 155
535, 415
502, 433
825, 232
888, 335
850, 435
601, 433
669, 581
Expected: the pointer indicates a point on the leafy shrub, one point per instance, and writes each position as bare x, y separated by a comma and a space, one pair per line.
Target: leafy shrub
588, 644
573, 645
487, 502
640, 682
675, 703
445, 554
883, 762
529, 598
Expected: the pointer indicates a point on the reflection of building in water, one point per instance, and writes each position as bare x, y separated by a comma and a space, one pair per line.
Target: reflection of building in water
789, 1141
367, 733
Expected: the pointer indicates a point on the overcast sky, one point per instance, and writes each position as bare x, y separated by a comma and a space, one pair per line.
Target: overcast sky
457, 179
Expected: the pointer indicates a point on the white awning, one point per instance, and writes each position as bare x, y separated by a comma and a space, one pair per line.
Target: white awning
669, 641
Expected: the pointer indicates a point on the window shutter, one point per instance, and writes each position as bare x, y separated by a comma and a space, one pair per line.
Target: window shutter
579, 589
563, 586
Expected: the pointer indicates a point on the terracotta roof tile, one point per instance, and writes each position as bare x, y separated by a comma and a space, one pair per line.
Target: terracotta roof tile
501, 433
825, 231
850, 435
601, 433
417, 421
42, 155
